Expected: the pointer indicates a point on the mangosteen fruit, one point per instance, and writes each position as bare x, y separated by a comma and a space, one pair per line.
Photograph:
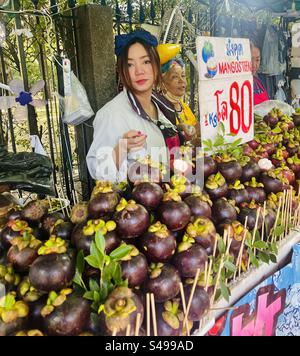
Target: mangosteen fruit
235, 231
34, 211
270, 219
23, 252
294, 163
49, 220
200, 303
223, 210
134, 267
230, 170
256, 191
104, 200
8, 278
296, 119
271, 119
189, 258
158, 243
62, 229
13, 314
250, 211
278, 159
271, 182
203, 231
145, 170
132, 219
79, 213
254, 144
148, 194
15, 214
251, 169
216, 186
182, 186
120, 311
173, 212
238, 193
200, 205
54, 268
13, 229
28, 293
210, 167
169, 318
65, 314
164, 282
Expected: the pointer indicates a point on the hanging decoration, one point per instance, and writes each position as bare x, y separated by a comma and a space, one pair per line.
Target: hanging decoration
21, 98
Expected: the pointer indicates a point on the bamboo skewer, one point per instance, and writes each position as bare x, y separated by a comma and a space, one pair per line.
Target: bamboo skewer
153, 314
240, 255
137, 324
114, 332
210, 265
283, 212
148, 313
264, 221
217, 280
184, 309
286, 217
128, 329
277, 218
254, 233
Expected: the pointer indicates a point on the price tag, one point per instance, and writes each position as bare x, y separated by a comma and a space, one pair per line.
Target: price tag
225, 88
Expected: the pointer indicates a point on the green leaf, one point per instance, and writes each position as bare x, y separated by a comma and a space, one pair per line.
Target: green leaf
120, 252
219, 141
257, 236
221, 246
230, 266
222, 128
96, 296
100, 242
277, 130
94, 286
99, 256
92, 261
89, 295
117, 275
273, 258
260, 245
274, 248
278, 231
225, 292
264, 257
109, 271
80, 262
253, 259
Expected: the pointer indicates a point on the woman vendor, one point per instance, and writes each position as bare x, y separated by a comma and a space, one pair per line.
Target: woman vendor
136, 120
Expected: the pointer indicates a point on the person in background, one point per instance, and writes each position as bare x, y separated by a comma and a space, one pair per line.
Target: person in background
136, 120
260, 93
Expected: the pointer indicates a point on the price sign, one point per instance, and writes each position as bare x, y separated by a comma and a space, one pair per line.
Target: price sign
225, 88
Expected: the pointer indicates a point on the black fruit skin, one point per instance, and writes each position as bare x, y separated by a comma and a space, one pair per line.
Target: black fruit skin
218, 193
231, 171
157, 249
49, 220
148, 194
270, 220
52, 272
131, 224
103, 204
250, 170
11, 328
271, 185
176, 215
36, 320
189, 261
21, 260
164, 329
198, 207
257, 194
135, 270
69, 319
166, 286
63, 230
200, 302
239, 196
7, 235
251, 213
223, 211
210, 167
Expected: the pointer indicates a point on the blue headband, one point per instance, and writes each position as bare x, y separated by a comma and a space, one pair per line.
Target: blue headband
122, 41
165, 67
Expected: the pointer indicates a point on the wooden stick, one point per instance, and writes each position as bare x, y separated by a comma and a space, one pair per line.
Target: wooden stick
254, 233
283, 212
191, 296
217, 280
277, 218
240, 255
153, 314
286, 218
228, 308
211, 264
114, 332
137, 324
205, 273
128, 330
264, 220
184, 309
291, 210
148, 313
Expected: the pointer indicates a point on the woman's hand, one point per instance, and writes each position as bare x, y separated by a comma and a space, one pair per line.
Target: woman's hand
132, 141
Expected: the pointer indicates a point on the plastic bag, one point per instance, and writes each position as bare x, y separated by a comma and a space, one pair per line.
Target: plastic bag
270, 54
76, 106
264, 108
280, 94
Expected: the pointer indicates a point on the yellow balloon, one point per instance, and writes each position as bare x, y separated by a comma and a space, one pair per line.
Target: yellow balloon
168, 51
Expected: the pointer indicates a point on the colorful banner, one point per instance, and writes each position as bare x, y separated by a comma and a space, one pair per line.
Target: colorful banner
271, 309
225, 88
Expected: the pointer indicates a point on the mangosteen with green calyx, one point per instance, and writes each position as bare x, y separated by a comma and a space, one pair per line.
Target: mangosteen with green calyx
254, 143
270, 219
134, 267
62, 229
190, 257
34, 211
79, 213
148, 194
13, 229
49, 220
24, 251
256, 191
279, 158
54, 269
230, 169
132, 219
169, 318
216, 186
65, 314
200, 304
271, 119
173, 212
250, 210
294, 163
250, 169
28, 293
164, 282
210, 167
273, 201
33, 332
13, 314
293, 148
182, 186
203, 231
200, 205
146, 170
238, 193
104, 200
84, 234
296, 119
235, 231
8, 278
15, 213
272, 181
120, 310
288, 176
224, 210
